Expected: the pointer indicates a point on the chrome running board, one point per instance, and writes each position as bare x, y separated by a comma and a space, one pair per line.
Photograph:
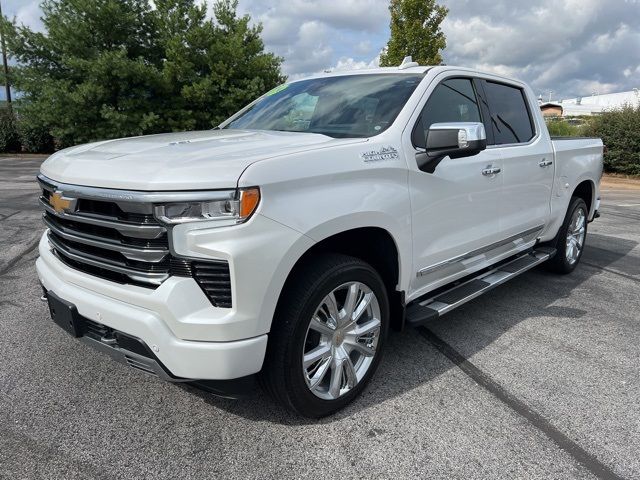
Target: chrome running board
424, 310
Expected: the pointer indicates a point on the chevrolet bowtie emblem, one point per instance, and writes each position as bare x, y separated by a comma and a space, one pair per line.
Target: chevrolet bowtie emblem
59, 203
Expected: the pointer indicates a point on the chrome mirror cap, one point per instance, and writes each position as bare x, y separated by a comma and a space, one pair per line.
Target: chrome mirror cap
468, 132
453, 140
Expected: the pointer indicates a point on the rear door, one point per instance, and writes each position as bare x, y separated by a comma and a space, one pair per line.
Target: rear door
527, 160
455, 209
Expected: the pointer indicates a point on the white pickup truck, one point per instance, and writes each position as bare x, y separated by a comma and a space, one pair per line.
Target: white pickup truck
286, 243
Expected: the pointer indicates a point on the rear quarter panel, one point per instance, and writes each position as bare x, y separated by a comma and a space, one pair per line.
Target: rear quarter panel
577, 160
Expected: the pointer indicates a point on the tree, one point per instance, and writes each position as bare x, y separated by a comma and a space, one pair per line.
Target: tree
113, 68
415, 31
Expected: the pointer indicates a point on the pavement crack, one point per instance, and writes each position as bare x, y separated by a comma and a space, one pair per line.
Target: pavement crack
5, 302
618, 214
580, 455
609, 270
32, 246
4, 217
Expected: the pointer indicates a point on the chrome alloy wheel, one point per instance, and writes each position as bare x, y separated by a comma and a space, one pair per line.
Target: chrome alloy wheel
341, 340
575, 235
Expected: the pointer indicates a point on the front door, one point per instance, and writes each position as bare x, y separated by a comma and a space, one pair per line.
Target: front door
455, 209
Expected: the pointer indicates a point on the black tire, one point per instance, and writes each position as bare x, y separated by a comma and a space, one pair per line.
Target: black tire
560, 263
282, 374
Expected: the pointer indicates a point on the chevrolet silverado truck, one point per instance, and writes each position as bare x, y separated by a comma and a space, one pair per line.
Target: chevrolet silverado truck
287, 242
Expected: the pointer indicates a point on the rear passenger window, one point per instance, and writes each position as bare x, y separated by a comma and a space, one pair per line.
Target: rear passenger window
510, 117
453, 100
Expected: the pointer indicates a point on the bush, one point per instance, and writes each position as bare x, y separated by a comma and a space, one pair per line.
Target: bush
620, 132
35, 138
9, 137
562, 128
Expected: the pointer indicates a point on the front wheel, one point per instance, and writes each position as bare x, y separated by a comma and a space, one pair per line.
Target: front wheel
327, 337
571, 238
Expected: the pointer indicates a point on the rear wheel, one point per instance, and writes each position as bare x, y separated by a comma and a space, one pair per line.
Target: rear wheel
327, 337
571, 238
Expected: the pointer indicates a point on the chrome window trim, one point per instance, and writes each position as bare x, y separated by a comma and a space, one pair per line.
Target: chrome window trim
533, 117
482, 76
507, 145
424, 99
133, 196
479, 251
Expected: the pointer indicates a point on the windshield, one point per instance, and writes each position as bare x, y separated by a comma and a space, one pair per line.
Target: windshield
341, 106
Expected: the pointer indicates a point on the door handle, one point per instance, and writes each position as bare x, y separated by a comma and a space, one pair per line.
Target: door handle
491, 170
545, 163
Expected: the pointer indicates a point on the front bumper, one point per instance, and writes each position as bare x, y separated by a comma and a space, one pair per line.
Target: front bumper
132, 351
185, 359
189, 336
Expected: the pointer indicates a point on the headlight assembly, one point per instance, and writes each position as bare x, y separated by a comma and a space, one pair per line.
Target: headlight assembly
231, 208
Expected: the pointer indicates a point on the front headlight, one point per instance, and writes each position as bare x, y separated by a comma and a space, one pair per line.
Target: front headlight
232, 209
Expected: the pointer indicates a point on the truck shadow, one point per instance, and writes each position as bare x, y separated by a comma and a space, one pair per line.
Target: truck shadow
411, 361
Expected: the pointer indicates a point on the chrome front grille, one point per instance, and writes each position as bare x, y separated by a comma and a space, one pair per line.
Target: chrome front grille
113, 234
116, 239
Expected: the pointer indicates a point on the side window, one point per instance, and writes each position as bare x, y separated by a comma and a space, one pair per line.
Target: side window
453, 100
510, 117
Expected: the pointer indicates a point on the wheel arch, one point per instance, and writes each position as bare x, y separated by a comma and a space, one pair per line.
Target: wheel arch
586, 191
372, 244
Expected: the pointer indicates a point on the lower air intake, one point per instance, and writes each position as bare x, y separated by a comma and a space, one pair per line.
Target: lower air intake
215, 280
213, 277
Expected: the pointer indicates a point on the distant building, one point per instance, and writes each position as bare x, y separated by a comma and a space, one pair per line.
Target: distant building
591, 105
551, 109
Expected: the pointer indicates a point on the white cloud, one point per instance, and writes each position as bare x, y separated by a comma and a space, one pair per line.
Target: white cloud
363, 48
310, 51
25, 11
313, 36
572, 47
348, 14
348, 63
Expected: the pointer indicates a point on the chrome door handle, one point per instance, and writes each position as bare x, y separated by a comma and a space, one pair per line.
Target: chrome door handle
491, 170
545, 163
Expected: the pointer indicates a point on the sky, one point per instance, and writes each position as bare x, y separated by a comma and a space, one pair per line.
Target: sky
563, 48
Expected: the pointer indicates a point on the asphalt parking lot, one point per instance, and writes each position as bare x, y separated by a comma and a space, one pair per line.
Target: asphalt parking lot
538, 379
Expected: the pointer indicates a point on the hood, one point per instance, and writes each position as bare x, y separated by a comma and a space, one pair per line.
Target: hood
209, 159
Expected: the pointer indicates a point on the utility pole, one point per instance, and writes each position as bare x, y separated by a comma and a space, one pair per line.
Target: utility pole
7, 85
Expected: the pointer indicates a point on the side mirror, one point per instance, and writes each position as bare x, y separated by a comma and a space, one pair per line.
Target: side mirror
454, 140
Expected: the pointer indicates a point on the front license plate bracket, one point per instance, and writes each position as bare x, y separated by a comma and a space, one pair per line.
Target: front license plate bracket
65, 315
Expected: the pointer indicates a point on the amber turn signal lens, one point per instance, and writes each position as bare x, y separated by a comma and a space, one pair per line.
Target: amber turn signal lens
249, 199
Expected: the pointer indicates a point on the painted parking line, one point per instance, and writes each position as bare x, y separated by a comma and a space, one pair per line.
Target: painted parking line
580, 455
